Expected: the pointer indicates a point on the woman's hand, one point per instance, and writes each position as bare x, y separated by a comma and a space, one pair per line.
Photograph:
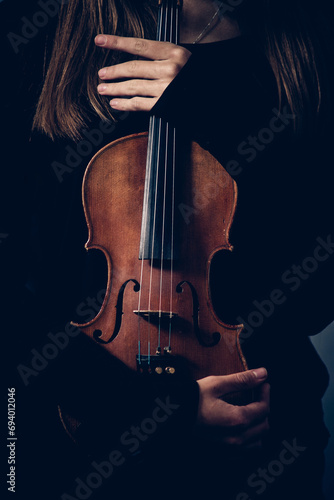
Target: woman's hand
238, 426
144, 80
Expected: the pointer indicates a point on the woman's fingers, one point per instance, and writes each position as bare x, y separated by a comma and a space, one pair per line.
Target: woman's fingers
131, 88
136, 69
236, 436
251, 435
134, 104
143, 94
240, 417
149, 49
243, 381
258, 410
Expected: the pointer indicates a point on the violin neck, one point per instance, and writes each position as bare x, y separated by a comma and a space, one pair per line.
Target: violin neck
168, 21
157, 241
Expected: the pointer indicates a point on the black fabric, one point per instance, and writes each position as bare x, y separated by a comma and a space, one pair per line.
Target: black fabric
284, 215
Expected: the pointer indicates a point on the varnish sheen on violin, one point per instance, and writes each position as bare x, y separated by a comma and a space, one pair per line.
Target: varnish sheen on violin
159, 209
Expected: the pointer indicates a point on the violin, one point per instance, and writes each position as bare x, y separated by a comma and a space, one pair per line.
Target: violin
138, 196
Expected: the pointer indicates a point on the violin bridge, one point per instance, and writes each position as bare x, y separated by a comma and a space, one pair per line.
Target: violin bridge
155, 315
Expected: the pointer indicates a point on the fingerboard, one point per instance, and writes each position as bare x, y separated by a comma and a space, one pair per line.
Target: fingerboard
157, 241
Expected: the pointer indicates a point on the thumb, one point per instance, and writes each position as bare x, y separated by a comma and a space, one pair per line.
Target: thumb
240, 381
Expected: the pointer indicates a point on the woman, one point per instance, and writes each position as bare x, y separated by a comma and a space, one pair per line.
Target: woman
249, 83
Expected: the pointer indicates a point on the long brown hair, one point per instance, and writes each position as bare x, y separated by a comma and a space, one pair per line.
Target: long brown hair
288, 31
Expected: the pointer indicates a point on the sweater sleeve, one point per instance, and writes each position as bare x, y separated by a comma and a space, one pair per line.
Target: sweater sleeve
110, 401
225, 98
221, 95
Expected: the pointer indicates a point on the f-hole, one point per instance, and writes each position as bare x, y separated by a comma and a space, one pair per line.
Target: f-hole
119, 313
215, 335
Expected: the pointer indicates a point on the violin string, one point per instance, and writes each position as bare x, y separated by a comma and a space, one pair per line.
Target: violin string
172, 207
152, 247
148, 173
164, 200
167, 140
172, 245
172, 38
154, 231
154, 219
163, 232
150, 147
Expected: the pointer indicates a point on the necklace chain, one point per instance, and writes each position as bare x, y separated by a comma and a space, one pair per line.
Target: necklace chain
207, 27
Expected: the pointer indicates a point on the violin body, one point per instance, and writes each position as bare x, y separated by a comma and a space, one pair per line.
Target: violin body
156, 319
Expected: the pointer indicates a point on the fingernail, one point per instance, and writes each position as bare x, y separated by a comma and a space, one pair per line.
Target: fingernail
260, 373
102, 72
100, 40
114, 104
101, 88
